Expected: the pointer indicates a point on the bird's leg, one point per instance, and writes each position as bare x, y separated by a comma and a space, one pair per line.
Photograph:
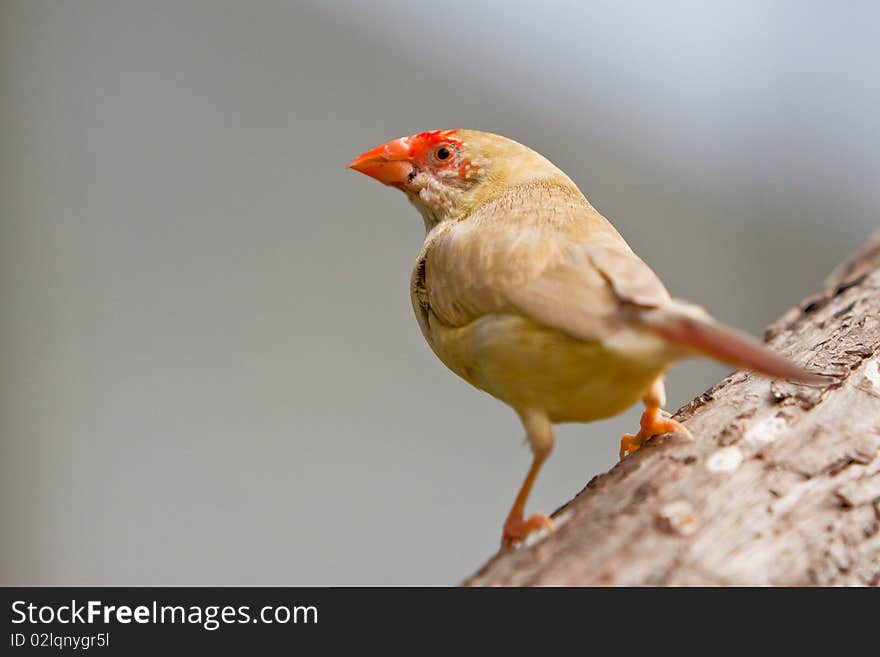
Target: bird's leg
654, 421
540, 434
516, 527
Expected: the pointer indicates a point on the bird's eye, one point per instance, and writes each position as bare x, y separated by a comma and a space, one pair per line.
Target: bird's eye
443, 152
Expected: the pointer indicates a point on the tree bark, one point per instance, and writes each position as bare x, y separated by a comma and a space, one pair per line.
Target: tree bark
781, 485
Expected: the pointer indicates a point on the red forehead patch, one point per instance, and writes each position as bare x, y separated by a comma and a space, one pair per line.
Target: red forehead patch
433, 137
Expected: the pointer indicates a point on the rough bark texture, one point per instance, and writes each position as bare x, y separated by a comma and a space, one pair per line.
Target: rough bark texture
780, 487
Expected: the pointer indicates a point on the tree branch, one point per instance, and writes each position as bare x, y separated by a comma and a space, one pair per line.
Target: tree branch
780, 487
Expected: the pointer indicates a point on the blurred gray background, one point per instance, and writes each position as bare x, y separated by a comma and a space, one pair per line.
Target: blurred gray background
209, 368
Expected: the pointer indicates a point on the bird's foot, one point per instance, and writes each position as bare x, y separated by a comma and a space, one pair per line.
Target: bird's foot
516, 529
654, 422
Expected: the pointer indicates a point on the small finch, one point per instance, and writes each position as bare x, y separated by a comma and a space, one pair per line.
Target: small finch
525, 291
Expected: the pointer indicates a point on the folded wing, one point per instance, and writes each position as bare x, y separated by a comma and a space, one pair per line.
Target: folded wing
544, 252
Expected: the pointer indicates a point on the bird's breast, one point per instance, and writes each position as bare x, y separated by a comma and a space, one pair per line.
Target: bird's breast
530, 366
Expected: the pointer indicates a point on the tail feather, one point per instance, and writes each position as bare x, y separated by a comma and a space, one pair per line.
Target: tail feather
690, 327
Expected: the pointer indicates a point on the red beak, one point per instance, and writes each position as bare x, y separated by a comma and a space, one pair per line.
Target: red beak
389, 163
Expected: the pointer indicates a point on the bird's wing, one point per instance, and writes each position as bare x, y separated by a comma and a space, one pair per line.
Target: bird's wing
543, 252
546, 254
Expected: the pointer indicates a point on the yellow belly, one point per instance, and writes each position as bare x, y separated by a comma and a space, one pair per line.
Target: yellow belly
530, 366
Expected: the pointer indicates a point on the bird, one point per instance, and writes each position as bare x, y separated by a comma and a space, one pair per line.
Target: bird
524, 290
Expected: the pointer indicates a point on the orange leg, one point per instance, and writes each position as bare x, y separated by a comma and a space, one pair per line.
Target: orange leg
516, 528
653, 422
540, 434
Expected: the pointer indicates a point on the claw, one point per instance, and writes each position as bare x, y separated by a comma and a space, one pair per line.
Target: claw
654, 422
516, 530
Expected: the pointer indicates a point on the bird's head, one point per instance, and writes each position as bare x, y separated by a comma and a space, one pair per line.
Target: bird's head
448, 173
